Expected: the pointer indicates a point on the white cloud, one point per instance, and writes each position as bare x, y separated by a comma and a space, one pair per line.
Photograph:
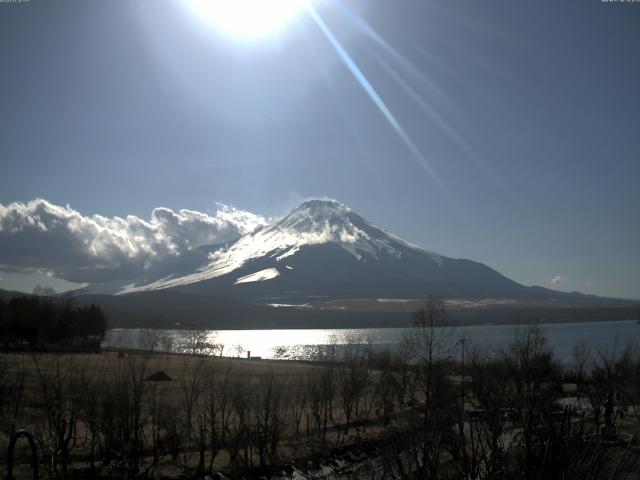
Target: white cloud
39, 235
557, 280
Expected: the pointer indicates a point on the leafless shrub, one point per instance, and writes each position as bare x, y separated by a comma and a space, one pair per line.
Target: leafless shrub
54, 407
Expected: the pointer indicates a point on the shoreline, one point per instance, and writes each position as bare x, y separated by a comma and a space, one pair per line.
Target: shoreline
373, 327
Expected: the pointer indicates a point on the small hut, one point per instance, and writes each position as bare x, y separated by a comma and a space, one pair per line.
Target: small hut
159, 377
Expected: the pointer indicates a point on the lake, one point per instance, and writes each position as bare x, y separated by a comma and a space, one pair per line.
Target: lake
303, 344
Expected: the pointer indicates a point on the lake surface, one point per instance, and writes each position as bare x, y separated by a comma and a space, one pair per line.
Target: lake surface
304, 344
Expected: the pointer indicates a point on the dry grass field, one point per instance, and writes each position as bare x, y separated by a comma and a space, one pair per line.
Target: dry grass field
204, 410
424, 415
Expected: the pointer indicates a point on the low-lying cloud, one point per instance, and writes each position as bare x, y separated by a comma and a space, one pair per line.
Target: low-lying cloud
41, 236
557, 280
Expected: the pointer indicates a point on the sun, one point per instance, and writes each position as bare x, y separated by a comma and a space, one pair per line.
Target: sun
247, 18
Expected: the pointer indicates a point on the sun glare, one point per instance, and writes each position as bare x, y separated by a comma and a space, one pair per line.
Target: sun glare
247, 18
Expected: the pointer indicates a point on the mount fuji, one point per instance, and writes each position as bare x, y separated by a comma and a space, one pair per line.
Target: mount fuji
323, 250
324, 266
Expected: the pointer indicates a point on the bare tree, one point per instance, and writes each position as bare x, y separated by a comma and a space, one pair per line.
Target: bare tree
353, 379
57, 417
270, 413
238, 350
121, 414
156, 404
611, 383
167, 344
40, 291
87, 408
241, 438
537, 383
149, 341
581, 358
194, 342
298, 404
319, 385
217, 409
169, 426
386, 385
191, 392
12, 393
417, 445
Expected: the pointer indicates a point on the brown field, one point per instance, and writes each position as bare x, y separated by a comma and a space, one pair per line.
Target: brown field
74, 380
516, 411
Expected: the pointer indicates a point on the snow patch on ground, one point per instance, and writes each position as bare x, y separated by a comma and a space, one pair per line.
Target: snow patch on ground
289, 305
395, 300
262, 275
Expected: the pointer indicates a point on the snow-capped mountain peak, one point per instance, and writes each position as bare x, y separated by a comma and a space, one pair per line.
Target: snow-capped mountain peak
327, 221
323, 251
312, 214
314, 222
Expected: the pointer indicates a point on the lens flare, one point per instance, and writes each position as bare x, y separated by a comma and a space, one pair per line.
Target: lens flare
247, 18
374, 96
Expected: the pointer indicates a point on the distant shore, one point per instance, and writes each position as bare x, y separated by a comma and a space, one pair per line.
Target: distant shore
314, 318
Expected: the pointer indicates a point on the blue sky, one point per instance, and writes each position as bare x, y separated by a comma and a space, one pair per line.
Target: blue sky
524, 117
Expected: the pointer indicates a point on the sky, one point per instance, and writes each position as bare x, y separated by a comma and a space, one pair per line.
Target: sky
503, 132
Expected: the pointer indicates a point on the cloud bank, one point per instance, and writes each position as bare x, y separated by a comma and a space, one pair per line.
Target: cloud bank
41, 236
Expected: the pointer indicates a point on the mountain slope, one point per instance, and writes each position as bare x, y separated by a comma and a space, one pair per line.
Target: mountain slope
324, 250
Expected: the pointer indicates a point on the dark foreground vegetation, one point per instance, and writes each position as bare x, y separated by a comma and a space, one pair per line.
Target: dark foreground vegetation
44, 323
437, 409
